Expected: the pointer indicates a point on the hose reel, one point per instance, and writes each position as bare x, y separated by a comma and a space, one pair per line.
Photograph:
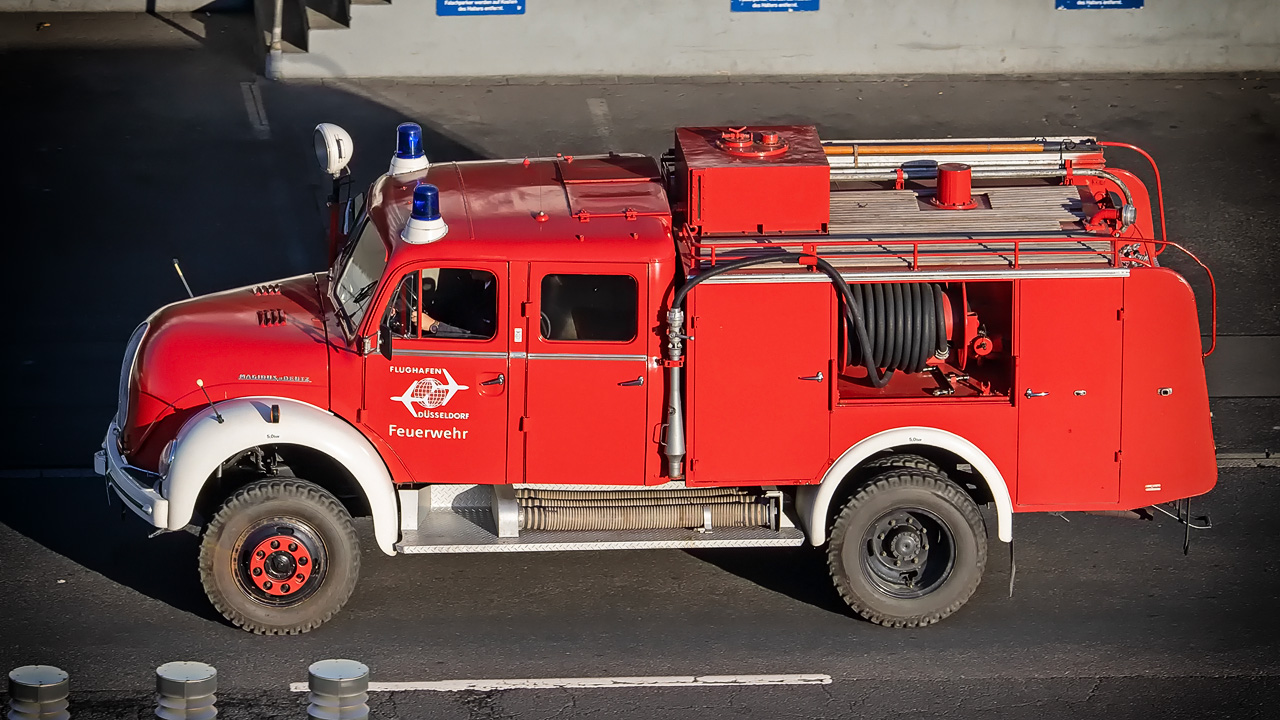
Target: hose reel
906, 324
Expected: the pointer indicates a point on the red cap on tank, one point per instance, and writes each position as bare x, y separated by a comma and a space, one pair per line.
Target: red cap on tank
954, 187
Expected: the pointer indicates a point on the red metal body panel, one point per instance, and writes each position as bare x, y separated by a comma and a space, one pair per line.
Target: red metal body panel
991, 424
784, 193
222, 340
1068, 355
754, 418
570, 411
1166, 439
463, 439
583, 422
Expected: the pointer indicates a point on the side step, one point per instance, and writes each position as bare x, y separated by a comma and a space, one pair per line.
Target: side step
466, 519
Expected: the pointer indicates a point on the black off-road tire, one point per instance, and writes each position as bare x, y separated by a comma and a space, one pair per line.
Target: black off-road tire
264, 510
909, 461
937, 502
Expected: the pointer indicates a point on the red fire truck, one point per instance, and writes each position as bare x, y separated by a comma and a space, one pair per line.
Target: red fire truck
760, 339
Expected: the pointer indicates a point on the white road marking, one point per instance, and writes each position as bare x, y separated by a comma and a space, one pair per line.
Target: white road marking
254, 109
590, 682
600, 117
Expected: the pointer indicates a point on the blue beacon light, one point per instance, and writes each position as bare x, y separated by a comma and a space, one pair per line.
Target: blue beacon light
425, 224
409, 156
409, 141
426, 203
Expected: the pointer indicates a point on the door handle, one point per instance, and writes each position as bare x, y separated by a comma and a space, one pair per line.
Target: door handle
1036, 394
500, 380
815, 378
632, 383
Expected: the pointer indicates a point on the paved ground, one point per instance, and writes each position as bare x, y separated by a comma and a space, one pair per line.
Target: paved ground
1108, 618
137, 139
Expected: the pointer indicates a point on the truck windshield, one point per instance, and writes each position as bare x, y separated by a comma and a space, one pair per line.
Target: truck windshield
358, 272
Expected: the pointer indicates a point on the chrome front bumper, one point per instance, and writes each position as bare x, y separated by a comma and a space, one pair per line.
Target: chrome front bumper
135, 487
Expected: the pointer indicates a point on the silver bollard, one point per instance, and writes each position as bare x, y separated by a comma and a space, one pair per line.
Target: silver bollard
339, 690
38, 692
185, 691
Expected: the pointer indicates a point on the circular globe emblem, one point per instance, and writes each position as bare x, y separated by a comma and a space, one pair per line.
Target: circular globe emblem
430, 392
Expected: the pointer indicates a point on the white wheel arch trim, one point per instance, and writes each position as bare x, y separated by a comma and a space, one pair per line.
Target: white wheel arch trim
813, 501
203, 443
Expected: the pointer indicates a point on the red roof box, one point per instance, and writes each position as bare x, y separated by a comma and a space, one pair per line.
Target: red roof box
754, 180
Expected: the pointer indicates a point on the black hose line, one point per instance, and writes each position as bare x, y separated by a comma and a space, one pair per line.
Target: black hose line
853, 314
720, 269
851, 309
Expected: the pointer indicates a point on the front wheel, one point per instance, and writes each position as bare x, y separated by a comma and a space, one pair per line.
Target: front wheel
280, 557
908, 549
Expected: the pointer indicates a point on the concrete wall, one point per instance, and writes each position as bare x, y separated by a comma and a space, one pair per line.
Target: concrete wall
701, 37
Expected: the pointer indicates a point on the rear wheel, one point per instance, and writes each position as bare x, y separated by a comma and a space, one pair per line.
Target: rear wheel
908, 549
280, 557
910, 461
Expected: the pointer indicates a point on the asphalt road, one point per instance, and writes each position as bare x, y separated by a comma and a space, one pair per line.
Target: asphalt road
138, 139
1107, 619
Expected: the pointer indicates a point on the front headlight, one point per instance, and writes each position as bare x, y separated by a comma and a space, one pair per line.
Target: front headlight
166, 458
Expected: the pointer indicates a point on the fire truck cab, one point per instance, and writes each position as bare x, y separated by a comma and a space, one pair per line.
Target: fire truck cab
759, 339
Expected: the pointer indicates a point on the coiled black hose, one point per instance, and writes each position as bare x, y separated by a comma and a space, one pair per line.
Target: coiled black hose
853, 314
905, 323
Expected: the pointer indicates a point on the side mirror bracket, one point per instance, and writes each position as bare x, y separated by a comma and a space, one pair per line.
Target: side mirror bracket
384, 341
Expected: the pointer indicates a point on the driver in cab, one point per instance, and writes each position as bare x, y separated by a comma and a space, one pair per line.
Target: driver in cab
465, 309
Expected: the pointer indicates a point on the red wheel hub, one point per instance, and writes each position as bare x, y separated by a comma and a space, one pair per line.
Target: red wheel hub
280, 565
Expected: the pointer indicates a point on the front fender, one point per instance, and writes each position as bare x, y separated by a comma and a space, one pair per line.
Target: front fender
203, 444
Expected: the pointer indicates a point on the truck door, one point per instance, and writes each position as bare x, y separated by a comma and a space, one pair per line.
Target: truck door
588, 368
441, 401
1068, 391
760, 375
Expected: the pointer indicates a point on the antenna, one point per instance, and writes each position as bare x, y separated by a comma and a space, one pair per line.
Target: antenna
183, 278
200, 383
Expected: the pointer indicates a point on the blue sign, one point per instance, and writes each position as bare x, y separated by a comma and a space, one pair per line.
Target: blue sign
480, 7
1098, 4
772, 5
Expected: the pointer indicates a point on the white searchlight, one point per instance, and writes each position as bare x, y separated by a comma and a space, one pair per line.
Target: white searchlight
425, 224
333, 148
409, 155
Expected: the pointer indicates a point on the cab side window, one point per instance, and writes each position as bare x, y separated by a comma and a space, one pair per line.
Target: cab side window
452, 303
592, 308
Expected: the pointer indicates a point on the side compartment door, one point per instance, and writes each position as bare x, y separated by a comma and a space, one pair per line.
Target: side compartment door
1068, 391
759, 382
588, 368
441, 401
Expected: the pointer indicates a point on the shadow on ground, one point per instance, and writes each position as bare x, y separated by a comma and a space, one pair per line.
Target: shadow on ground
798, 573
129, 154
84, 530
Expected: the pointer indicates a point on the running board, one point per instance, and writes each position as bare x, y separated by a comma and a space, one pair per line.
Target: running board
461, 519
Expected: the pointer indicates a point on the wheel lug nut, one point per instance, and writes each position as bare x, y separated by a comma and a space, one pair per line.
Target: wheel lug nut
884, 554
284, 587
275, 544
892, 523
266, 585
915, 561
897, 563
302, 561
293, 547
880, 536
257, 572
300, 577
260, 555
